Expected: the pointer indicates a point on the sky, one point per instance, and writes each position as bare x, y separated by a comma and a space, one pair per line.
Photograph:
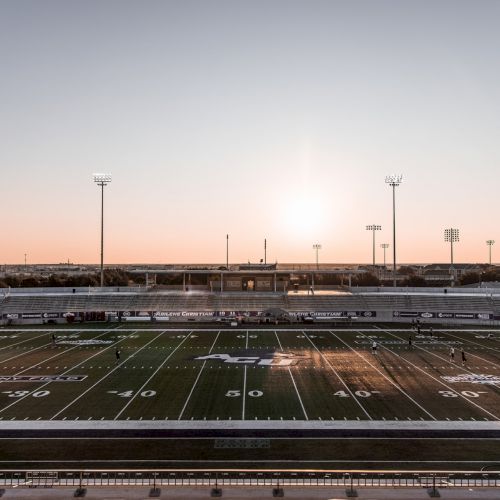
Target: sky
262, 119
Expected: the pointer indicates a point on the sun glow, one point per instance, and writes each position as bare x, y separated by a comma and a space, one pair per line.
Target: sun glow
305, 214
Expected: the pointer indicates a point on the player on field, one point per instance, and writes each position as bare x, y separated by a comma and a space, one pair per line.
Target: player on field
430, 331
53, 339
452, 354
117, 354
410, 341
464, 359
374, 347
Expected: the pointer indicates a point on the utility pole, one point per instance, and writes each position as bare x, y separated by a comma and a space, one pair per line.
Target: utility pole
490, 243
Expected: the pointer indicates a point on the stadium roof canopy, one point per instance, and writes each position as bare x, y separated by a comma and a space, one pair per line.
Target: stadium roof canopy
247, 272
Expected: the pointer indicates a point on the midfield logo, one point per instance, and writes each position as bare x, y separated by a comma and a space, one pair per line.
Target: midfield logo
474, 379
275, 359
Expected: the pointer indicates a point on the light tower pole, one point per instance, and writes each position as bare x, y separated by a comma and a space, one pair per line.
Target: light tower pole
227, 251
490, 243
102, 180
385, 246
451, 236
373, 228
317, 247
394, 181
265, 251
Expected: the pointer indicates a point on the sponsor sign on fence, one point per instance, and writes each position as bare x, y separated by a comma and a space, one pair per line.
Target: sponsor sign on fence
441, 315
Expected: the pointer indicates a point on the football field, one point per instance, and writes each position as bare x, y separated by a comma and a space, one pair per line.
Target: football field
281, 397
248, 374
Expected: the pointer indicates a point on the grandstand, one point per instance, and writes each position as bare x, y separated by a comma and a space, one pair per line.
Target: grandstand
377, 304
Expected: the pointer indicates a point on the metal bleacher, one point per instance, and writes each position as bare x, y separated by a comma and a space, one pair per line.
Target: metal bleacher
244, 301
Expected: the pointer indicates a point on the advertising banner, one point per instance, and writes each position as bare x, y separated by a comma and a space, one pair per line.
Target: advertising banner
442, 315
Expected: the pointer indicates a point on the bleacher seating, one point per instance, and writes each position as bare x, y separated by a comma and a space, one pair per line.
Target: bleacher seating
179, 301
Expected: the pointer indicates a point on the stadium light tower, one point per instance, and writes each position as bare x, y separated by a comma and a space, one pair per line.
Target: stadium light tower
385, 246
373, 228
227, 251
394, 181
317, 247
490, 243
102, 180
451, 236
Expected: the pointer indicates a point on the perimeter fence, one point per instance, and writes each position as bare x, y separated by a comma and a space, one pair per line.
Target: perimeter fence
248, 478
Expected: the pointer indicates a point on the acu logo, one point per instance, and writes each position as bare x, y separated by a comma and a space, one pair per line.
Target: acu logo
277, 359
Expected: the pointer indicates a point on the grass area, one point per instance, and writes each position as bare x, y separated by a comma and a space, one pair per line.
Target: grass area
252, 375
345, 454
249, 375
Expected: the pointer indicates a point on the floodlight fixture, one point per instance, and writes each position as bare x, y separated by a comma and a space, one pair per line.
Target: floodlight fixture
490, 243
394, 181
317, 247
102, 180
373, 228
451, 235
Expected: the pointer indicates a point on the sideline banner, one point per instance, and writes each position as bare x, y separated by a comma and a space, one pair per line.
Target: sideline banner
441, 315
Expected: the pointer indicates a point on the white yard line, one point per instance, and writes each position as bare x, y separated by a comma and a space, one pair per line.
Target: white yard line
23, 341
188, 426
18, 400
293, 380
51, 357
197, 378
151, 377
480, 345
338, 376
459, 394
35, 349
103, 378
400, 389
244, 383
446, 358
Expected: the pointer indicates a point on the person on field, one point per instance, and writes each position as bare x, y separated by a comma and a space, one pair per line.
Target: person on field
464, 359
452, 354
117, 354
410, 342
53, 339
430, 331
374, 348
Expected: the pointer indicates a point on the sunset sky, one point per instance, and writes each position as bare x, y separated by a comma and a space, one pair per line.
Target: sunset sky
261, 119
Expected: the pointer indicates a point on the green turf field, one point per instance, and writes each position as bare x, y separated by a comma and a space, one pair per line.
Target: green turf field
246, 396
247, 375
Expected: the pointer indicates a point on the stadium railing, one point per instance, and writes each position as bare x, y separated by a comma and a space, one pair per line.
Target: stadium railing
93, 478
